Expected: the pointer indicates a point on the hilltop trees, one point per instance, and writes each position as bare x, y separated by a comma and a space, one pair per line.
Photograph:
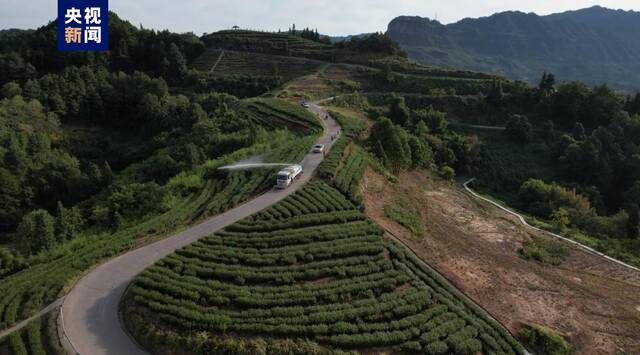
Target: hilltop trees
374, 43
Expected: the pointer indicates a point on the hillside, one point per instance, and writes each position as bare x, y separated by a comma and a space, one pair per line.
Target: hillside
594, 45
305, 276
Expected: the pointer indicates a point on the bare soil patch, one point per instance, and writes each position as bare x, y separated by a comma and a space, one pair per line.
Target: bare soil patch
475, 245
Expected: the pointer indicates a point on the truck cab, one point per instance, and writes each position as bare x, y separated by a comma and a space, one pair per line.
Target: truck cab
286, 176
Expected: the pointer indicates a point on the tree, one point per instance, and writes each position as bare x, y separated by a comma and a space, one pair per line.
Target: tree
421, 155
36, 232
578, 132
633, 223
10, 90
68, 222
398, 111
560, 219
177, 64
389, 143
495, 95
518, 128
107, 174
549, 132
547, 84
633, 104
447, 173
436, 121
421, 129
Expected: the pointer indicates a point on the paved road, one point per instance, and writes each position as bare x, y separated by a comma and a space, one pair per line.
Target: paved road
89, 318
571, 241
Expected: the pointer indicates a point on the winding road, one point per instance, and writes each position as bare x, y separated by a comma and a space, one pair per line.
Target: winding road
89, 321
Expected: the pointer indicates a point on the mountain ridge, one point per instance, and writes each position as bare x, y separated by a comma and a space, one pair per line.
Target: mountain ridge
595, 45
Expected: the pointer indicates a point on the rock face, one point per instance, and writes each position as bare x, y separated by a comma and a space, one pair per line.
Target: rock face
595, 45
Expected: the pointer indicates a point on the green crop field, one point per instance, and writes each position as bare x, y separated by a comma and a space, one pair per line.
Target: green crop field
39, 337
244, 63
268, 42
275, 113
308, 275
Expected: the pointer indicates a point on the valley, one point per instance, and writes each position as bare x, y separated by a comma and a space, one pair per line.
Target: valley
122, 230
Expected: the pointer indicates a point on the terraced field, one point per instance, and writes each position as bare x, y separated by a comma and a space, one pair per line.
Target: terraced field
309, 275
274, 113
40, 337
245, 63
24, 293
269, 42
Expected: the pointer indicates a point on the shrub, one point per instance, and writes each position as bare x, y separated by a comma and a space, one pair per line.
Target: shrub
544, 340
438, 347
447, 173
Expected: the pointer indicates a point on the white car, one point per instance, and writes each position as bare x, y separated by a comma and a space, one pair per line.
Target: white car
305, 105
318, 148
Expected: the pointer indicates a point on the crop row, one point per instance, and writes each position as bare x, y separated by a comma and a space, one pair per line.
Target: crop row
314, 275
348, 177
329, 166
306, 220
316, 198
39, 337
286, 237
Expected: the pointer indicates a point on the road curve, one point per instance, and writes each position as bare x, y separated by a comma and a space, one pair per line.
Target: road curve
571, 241
89, 317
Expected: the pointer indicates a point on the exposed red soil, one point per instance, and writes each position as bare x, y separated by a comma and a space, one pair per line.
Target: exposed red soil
595, 303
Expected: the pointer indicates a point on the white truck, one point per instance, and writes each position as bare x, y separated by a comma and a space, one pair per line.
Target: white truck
287, 175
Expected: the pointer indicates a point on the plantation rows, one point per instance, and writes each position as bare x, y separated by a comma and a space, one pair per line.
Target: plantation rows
348, 177
24, 293
351, 126
39, 337
268, 42
329, 166
309, 267
275, 113
243, 63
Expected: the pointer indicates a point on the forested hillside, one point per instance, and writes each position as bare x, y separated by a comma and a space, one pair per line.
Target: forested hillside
594, 45
100, 152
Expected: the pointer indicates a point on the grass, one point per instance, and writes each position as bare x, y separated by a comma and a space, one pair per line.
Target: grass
405, 218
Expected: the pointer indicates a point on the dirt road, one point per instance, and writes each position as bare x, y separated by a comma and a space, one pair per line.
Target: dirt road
89, 318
